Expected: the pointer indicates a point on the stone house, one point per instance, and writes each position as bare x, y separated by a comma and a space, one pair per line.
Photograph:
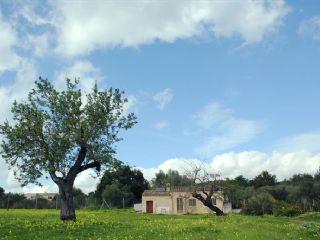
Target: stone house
179, 200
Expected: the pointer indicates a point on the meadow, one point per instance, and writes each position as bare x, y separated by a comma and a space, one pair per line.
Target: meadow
126, 224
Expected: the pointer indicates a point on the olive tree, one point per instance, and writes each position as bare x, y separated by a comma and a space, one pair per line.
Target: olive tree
63, 133
205, 185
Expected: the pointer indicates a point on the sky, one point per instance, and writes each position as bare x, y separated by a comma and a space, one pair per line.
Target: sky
234, 84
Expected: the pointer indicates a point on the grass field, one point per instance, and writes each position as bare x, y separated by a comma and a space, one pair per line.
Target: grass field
45, 224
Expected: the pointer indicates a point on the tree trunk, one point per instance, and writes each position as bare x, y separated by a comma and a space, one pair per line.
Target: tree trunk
208, 203
215, 209
67, 211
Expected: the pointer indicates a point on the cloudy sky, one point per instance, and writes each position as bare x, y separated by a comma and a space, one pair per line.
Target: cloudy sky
232, 83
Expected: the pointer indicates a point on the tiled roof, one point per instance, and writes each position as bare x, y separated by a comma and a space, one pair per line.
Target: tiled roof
188, 189
155, 193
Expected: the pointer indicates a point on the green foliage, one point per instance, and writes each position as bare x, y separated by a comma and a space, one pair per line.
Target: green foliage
51, 130
313, 229
12, 200
1, 193
120, 182
235, 190
317, 175
241, 181
116, 195
79, 198
259, 205
317, 205
171, 178
264, 179
281, 208
309, 217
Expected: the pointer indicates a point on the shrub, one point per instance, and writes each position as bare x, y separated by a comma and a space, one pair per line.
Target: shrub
259, 205
286, 209
317, 206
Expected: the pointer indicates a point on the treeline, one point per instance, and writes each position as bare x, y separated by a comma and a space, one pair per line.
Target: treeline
120, 187
19, 201
263, 194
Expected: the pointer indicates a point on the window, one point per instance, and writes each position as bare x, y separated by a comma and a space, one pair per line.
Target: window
179, 204
192, 202
214, 201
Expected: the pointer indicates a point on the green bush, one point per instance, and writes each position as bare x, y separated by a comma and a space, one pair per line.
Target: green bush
317, 206
259, 205
286, 209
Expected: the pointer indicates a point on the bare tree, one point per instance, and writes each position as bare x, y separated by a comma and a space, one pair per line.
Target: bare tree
204, 185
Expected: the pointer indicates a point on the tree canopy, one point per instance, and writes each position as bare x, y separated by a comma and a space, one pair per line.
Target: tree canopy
170, 178
63, 133
121, 182
264, 179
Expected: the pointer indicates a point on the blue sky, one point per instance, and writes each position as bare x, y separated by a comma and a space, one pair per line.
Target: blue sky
235, 84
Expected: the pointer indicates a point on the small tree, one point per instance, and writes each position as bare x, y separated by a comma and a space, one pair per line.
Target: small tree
264, 179
129, 180
1, 192
58, 133
171, 178
204, 185
317, 175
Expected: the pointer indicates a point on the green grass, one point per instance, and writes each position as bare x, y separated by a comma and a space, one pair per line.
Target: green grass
310, 217
124, 225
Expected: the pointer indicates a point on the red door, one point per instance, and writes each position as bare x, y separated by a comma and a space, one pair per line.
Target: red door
149, 206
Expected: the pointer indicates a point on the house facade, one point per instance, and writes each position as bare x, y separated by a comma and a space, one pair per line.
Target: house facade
179, 200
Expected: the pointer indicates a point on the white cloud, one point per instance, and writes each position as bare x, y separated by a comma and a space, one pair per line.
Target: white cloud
38, 45
310, 28
87, 181
26, 74
247, 163
30, 11
161, 125
82, 69
302, 142
163, 98
251, 163
9, 60
11, 184
130, 105
89, 25
178, 164
222, 129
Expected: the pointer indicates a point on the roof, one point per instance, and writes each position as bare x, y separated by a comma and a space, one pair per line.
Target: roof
163, 192
155, 193
189, 189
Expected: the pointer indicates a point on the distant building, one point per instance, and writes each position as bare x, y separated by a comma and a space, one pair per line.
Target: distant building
47, 196
179, 200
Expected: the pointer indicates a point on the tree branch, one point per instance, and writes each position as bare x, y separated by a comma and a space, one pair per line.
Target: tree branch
205, 193
94, 164
212, 187
54, 177
75, 169
81, 156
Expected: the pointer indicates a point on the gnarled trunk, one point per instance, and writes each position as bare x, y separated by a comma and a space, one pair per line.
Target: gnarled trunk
206, 201
215, 209
67, 211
